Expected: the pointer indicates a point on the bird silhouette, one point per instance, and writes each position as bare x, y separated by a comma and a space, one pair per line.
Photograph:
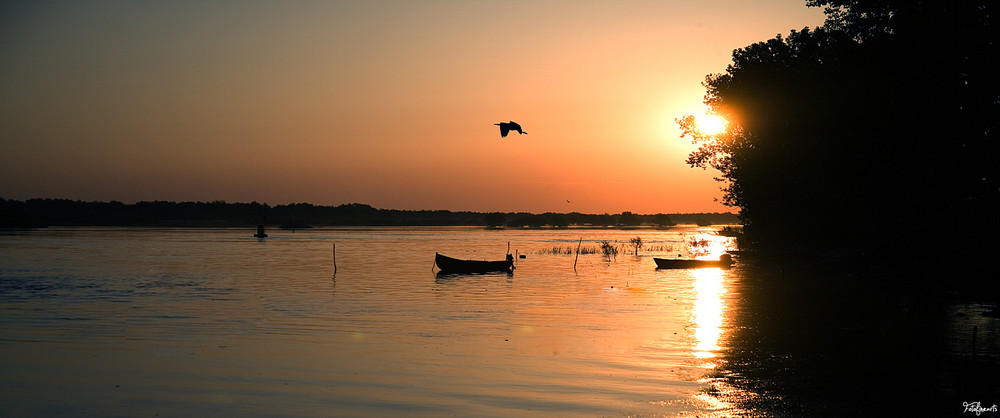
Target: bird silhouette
506, 127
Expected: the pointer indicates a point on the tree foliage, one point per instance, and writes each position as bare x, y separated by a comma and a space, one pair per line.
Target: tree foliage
888, 108
38, 213
494, 219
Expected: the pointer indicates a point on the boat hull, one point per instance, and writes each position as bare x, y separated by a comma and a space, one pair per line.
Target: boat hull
672, 263
449, 265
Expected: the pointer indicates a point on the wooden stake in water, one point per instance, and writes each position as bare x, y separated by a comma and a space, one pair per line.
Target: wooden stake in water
577, 253
335, 258
975, 330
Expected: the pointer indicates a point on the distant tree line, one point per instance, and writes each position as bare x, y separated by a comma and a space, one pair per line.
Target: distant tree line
854, 136
36, 213
624, 219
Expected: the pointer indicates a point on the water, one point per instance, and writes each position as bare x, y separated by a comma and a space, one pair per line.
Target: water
194, 322
124, 322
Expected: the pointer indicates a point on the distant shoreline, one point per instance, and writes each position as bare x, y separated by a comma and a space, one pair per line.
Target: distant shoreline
39, 213
642, 228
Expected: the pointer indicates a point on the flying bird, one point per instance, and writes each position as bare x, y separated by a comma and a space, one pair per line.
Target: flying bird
506, 127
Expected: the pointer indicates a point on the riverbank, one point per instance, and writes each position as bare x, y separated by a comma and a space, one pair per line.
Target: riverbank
35, 213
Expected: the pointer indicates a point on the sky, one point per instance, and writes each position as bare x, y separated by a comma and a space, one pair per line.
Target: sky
387, 103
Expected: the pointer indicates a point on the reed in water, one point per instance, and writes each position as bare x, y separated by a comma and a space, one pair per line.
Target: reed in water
595, 249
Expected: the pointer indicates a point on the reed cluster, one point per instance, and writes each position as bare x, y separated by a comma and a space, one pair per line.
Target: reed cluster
569, 250
608, 248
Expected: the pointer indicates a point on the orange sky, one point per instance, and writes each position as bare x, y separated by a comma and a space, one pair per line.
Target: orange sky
389, 103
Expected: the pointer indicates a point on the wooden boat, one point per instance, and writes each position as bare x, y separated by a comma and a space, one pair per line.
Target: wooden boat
450, 265
724, 261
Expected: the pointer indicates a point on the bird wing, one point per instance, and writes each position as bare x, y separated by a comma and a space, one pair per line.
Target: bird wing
504, 130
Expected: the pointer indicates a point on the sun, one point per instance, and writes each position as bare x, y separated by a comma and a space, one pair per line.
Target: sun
710, 124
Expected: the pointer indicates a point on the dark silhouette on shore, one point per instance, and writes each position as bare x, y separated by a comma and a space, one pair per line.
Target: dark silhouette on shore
38, 213
863, 158
506, 127
869, 122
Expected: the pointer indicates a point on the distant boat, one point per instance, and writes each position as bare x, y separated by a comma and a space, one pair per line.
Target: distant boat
260, 231
450, 265
724, 261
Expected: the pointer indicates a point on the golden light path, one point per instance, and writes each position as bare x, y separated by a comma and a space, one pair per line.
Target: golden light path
708, 312
708, 315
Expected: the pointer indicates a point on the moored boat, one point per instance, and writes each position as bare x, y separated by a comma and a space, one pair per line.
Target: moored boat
449, 265
724, 261
260, 231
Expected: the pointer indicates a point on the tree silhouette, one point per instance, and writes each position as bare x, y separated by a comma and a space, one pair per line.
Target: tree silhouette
495, 219
663, 219
629, 219
868, 123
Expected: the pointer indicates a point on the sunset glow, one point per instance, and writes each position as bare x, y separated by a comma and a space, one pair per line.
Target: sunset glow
340, 102
710, 124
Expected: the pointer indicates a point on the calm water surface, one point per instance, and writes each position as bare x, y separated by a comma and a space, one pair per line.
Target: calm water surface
180, 322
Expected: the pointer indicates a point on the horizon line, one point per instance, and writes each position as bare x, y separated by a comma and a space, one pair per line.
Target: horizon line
222, 201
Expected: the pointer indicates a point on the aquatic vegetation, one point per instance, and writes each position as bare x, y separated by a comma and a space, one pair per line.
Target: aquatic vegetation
699, 242
636, 244
612, 247
568, 250
609, 249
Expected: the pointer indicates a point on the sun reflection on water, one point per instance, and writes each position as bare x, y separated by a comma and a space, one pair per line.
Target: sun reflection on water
707, 246
708, 312
708, 315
